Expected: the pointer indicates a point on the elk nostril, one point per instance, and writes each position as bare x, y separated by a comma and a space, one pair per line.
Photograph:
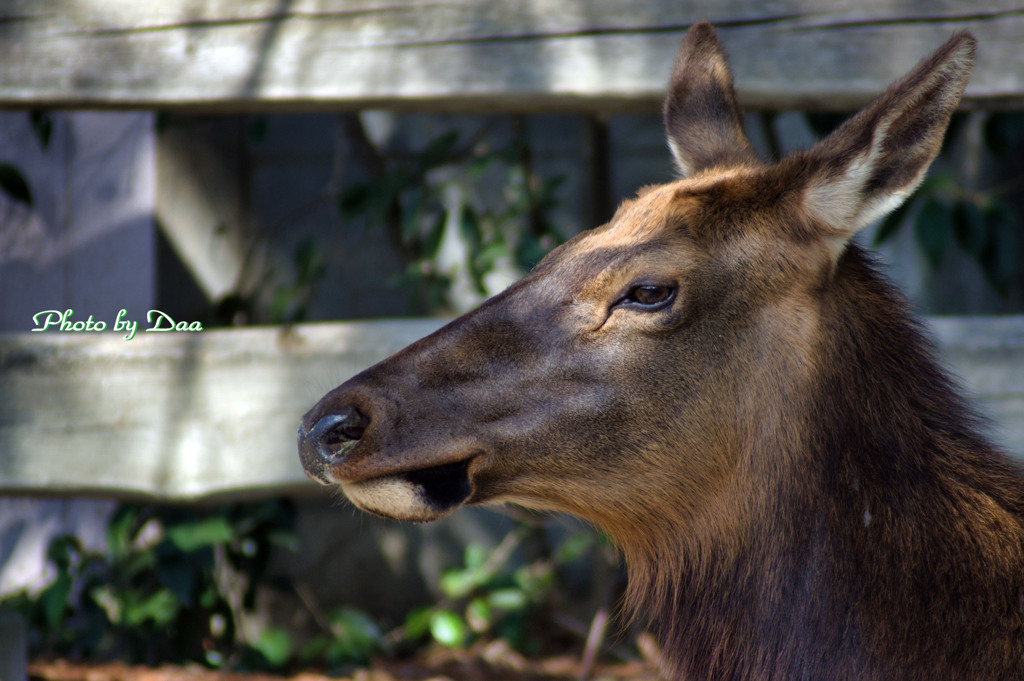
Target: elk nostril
336, 434
341, 433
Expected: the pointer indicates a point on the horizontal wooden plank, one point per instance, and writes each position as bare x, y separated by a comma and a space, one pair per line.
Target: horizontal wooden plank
173, 415
987, 355
214, 414
529, 55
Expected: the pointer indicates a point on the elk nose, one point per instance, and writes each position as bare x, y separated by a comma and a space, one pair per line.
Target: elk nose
335, 434
331, 439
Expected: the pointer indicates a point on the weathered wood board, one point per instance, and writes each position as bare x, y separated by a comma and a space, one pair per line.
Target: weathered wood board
214, 414
530, 55
173, 416
987, 355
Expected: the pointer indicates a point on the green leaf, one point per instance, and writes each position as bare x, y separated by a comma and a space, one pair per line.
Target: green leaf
970, 227
530, 252
354, 624
1003, 132
191, 536
178, 576
933, 227
479, 615
489, 255
54, 599
135, 564
999, 261
546, 196
479, 165
448, 629
275, 645
305, 255
475, 555
438, 151
413, 208
432, 242
458, 583
160, 608
378, 201
1001, 216
42, 126
209, 597
513, 628
121, 531
417, 622
387, 190
938, 184
355, 200
110, 604
356, 636
64, 551
313, 649
286, 539
469, 229
282, 302
574, 546
507, 599
13, 183
535, 580
309, 264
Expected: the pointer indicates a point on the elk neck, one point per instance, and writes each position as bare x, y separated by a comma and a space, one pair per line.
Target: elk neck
810, 543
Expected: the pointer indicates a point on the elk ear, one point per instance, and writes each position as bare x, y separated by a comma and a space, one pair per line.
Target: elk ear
703, 119
872, 163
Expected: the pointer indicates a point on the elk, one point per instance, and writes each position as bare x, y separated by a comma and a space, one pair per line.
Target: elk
724, 384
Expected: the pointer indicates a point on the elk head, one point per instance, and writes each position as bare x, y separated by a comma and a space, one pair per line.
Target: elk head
645, 367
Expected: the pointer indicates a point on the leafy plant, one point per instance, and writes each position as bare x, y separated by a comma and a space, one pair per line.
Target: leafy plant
487, 597
943, 214
172, 584
12, 180
439, 194
290, 303
486, 199
352, 637
13, 183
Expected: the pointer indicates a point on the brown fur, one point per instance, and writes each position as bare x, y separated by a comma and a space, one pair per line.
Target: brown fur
797, 489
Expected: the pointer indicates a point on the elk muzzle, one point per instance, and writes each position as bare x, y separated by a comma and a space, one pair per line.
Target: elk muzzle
329, 439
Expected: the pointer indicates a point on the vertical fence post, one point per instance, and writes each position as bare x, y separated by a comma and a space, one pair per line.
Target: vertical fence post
13, 647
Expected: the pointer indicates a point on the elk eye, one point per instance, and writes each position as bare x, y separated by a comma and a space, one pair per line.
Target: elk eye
649, 297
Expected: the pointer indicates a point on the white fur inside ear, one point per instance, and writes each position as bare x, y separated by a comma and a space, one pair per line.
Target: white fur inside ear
839, 206
839, 198
392, 497
836, 201
839, 203
682, 167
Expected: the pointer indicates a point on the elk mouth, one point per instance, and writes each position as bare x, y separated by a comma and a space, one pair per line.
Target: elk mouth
328, 445
418, 495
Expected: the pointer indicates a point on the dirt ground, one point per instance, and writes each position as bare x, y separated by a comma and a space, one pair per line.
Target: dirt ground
493, 662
